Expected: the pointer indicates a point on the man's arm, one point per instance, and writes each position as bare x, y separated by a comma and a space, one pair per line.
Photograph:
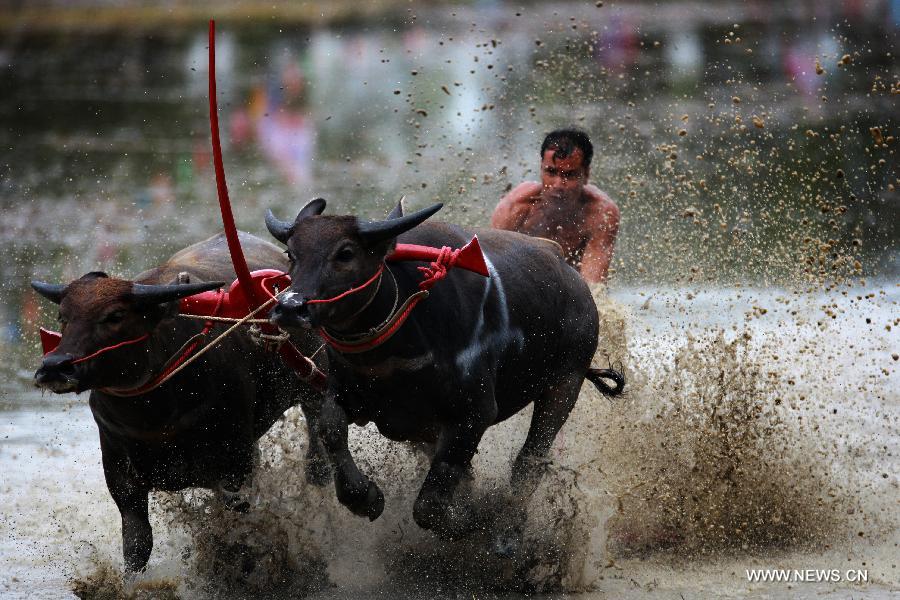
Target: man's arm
512, 210
604, 222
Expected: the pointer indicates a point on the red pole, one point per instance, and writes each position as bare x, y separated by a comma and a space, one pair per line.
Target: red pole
231, 235
304, 367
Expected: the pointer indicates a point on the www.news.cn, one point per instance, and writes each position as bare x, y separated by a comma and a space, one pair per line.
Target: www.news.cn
807, 575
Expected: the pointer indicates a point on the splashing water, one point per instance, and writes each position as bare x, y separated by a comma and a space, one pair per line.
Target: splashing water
716, 453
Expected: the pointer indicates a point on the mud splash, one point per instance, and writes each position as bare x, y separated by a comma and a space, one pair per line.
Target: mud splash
712, 452
106, 582
704, 455
720, 466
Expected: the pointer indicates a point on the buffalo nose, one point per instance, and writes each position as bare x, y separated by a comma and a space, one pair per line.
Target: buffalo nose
292, 311
55, 367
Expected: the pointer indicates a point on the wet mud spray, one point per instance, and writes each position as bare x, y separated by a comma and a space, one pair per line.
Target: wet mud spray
718, 449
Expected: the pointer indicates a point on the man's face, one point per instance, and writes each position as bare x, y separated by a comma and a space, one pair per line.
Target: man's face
563, 178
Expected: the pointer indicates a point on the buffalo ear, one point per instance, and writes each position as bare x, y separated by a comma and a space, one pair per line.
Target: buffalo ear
397, 211
313, 208
373, 232
51, 291
95, 275
280, 230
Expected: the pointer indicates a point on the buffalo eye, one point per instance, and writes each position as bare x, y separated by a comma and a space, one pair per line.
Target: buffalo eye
114, 317
345, 254
290, 256
61, 319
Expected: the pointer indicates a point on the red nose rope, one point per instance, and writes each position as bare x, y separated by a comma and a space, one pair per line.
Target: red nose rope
50, 341
359, 288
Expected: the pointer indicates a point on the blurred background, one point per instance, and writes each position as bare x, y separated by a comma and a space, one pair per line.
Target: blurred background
745, 142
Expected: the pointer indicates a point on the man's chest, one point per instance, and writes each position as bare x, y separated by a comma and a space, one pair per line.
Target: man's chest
564, 225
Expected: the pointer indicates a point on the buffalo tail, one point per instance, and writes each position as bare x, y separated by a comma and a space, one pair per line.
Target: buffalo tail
597, 377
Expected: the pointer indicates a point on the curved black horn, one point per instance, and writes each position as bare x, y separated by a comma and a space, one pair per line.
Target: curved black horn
51, 291
397, 211
280, 230
158, 294
373, 232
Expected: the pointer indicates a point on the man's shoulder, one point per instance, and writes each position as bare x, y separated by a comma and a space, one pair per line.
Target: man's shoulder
515, 206
600, 199
603, 208
525, 192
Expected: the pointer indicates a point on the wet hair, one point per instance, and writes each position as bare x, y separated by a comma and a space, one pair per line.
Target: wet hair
566, 141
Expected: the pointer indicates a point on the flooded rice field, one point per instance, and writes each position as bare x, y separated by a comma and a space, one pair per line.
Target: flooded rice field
753, 300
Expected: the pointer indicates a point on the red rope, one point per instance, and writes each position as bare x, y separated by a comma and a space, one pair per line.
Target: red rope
434, 272
377, 340
351, 290
109, 348
437, 270
171, 365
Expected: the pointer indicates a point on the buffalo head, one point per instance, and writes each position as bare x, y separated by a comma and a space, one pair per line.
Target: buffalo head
96, 312
330, 255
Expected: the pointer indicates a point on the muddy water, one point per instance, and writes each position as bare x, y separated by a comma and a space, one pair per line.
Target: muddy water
746, 441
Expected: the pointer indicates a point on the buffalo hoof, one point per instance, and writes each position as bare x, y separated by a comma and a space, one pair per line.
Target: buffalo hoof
508, 542
363, 501
458, 522
448, 521
318, 472
233, 500
428, 512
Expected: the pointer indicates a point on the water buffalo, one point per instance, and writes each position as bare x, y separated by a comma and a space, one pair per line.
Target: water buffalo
475, 352
200, 428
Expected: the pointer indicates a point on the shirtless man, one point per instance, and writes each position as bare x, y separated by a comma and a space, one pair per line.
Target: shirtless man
564, 207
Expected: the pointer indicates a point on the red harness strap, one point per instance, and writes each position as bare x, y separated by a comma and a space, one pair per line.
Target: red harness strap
468, 257
174, 362
378, 337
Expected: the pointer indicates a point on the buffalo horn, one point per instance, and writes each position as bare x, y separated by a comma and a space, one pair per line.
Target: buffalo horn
373, 232
280, 230
51, 291
158, 294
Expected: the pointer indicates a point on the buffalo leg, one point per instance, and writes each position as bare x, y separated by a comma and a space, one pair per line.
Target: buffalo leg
550, 413
131, 500
354, 490
318, 471
456, 445
137, 535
